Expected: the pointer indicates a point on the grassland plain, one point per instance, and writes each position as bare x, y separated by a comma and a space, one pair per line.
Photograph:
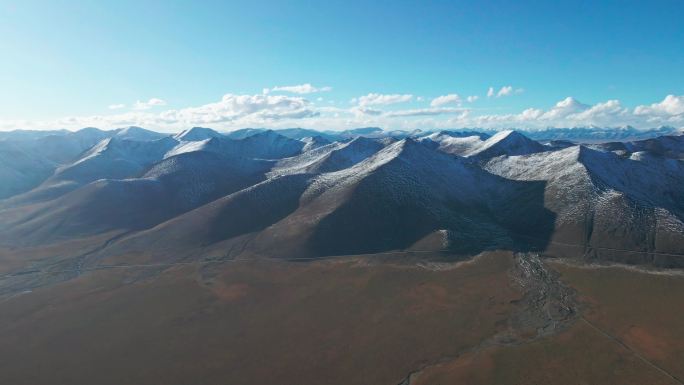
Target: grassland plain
253, 322
629, 332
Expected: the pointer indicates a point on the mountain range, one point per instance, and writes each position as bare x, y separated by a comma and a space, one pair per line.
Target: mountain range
588, 194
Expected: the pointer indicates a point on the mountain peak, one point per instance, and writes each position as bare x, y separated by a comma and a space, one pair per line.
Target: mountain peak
197, 134
507, 142
138, 133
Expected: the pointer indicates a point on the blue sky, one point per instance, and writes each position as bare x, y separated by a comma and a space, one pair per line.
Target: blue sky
169, 64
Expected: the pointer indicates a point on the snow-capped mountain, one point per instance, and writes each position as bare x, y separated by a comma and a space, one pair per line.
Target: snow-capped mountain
264, 193
604, 202
595, 134
313, 142
328, 158
115, 158
196, 134
482, 146
138, 133
262, 145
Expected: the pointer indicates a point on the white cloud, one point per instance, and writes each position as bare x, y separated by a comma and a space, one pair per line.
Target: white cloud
153, 102
445, 100
472, 98
564, 108
569, 112
604, 113
261, 107
306, 88
671, 105
531, 114
276, 110
504, 91
116, 106
425, 112
374, 99
360, 110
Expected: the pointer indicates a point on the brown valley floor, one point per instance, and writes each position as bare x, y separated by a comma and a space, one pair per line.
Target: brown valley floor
342, 321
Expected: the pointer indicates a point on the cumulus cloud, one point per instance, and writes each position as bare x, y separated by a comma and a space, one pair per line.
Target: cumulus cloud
360, 110
116, 106
504, 91
234, 107
570, 112
153, 102
374, 99
282, 110
671, 105
472, 98
564, 108
306, 88
444, 100
424, 112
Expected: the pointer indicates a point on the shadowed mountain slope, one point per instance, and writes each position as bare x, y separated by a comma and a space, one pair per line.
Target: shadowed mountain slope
606, 204
392, 200
270, 195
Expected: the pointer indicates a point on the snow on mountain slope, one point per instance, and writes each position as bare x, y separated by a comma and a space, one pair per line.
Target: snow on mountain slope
313, 142
194, 178
25, 164
66, 148
171, 187
593, 134
452, 145
138, 133
112, 158
390, 200
505, 143
244, 132
444, 134
604, 201
197, 134
264, 145
208, 145
666, 146
346, 156
296, 164
649, 179
299, 133
115, 158
482, 146
617, 201
329, 158
267, 145
569, 188
395, 198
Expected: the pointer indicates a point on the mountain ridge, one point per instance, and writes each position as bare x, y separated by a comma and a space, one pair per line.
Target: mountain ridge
454, 192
